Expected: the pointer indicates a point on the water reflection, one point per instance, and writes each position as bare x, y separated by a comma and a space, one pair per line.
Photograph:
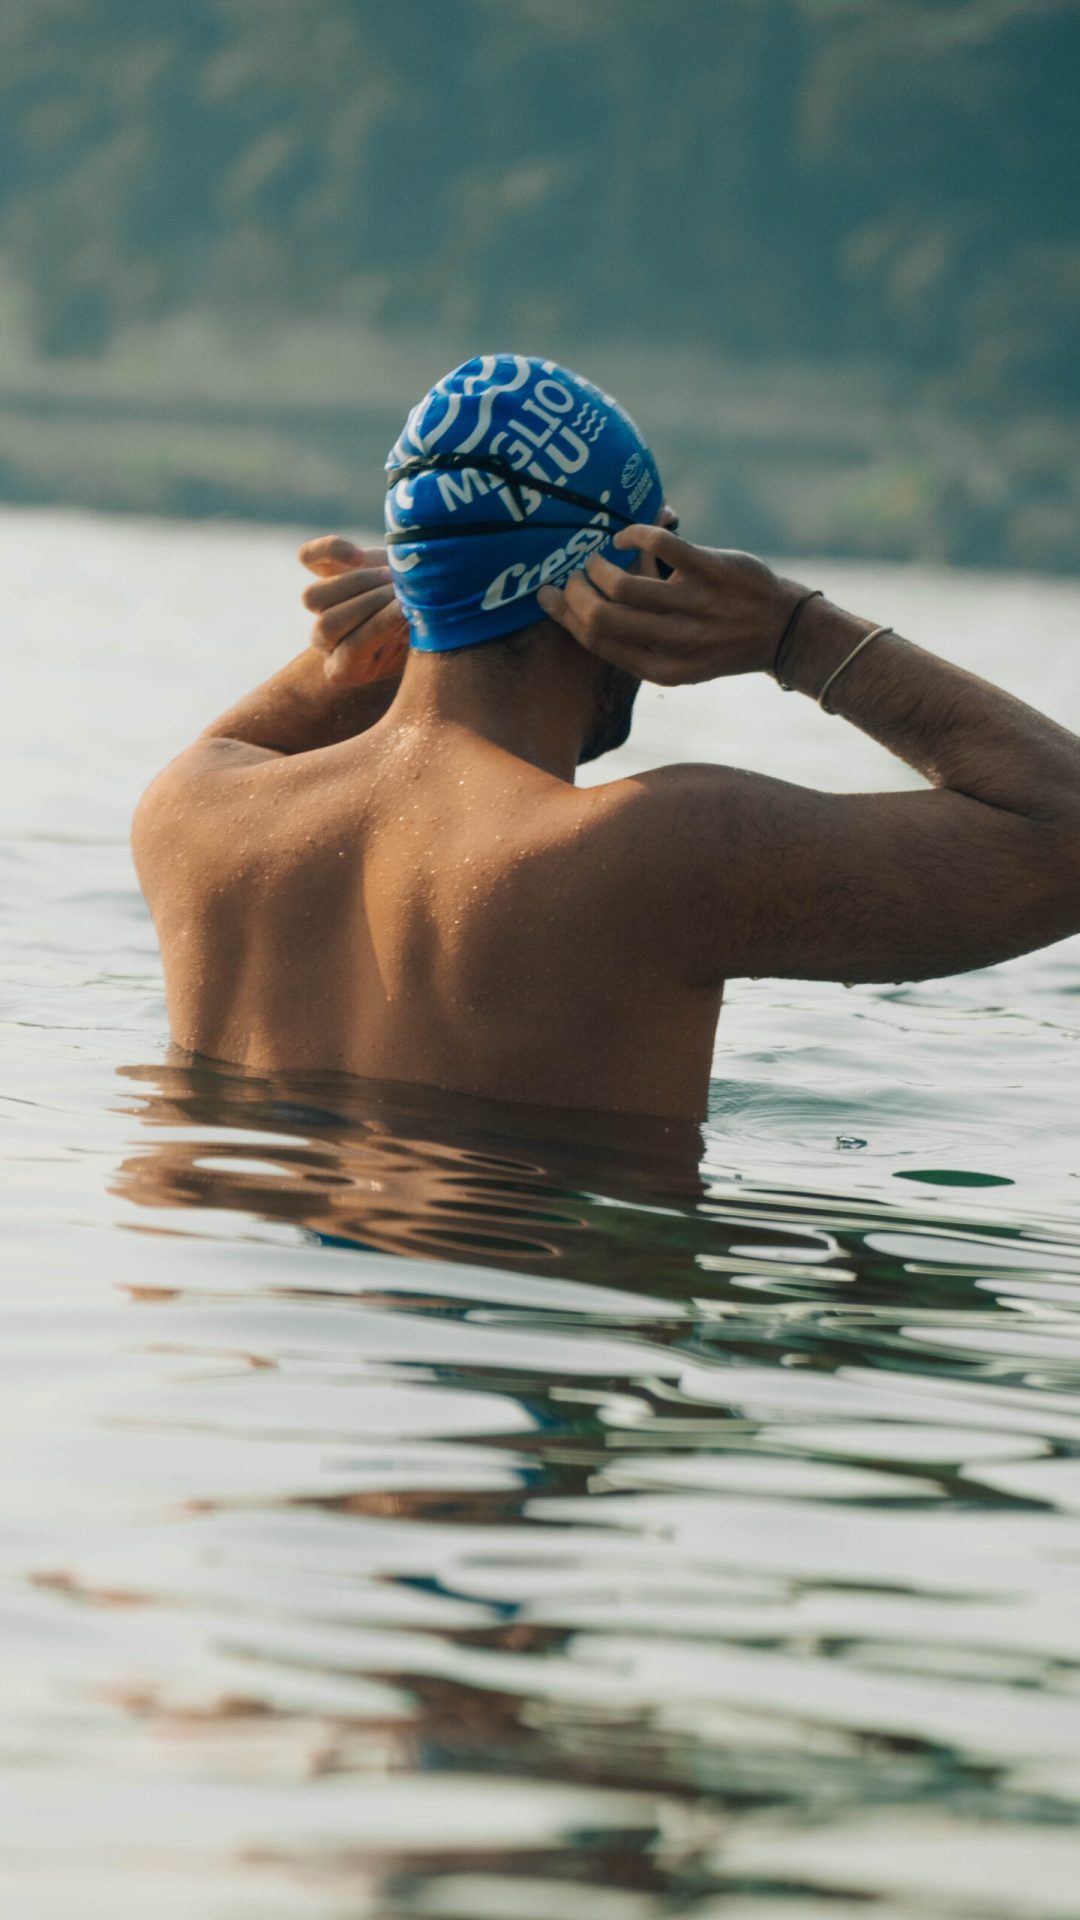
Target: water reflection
375, 1166
591, 1528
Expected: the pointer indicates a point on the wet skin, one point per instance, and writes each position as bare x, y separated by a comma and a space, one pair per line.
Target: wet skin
381, 864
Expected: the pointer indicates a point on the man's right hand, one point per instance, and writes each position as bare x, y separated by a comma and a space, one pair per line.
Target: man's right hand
719, 613
359, 626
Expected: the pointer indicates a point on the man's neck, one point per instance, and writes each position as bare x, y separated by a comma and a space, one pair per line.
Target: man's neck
536, 707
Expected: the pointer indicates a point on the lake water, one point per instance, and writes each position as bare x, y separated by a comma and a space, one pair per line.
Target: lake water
419, 1508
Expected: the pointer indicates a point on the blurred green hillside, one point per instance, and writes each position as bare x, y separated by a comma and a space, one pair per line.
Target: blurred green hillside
827, 250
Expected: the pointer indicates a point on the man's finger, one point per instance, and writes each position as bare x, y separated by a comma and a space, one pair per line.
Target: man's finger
630, 589
642, 643
661, 543
323, 594
368, 657
669, 631
332, 553
333, 626
577, 607
390, 624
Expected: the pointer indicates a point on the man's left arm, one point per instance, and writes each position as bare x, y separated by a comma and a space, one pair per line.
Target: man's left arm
346, 679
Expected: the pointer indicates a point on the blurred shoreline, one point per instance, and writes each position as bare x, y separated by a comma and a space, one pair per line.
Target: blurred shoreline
194, 421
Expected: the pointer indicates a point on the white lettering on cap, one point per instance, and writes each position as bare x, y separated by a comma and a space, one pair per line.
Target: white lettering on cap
499, 593
455, 487
553, 395
640, 491
517, 581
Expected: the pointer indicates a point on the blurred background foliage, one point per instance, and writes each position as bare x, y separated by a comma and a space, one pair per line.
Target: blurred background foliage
827, 250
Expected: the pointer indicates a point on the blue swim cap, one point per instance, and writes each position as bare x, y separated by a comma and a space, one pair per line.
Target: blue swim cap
508, 474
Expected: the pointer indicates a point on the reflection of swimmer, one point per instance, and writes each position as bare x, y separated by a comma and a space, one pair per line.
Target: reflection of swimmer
387, 867
409, 1171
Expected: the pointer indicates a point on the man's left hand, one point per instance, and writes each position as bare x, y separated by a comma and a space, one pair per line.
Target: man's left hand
359, 625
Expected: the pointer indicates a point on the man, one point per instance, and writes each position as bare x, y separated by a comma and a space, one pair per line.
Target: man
379, 861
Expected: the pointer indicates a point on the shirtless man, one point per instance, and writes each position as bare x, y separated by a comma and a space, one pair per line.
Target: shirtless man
379, 861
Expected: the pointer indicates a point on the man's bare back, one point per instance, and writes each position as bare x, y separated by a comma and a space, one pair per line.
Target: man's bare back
418, 904
401, 880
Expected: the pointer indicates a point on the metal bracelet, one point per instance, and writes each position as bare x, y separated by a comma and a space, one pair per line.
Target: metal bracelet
844, 664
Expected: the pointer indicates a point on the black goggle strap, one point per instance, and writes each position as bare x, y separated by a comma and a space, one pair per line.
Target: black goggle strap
517, 483
409, 536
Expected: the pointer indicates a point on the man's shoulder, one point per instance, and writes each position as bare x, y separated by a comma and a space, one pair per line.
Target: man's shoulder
182, 806
653, 833
690, 803
660, 800
685, 847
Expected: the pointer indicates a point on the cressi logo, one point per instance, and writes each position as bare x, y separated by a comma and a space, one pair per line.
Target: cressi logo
518, 580
630, 471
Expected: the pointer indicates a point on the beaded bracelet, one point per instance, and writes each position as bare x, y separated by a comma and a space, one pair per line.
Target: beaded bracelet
785, 686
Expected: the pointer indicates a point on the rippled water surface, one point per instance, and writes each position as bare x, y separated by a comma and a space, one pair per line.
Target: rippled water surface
417, 1507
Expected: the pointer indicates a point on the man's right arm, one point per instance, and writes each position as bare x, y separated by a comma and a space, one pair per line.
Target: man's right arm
785, 880
955, 729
